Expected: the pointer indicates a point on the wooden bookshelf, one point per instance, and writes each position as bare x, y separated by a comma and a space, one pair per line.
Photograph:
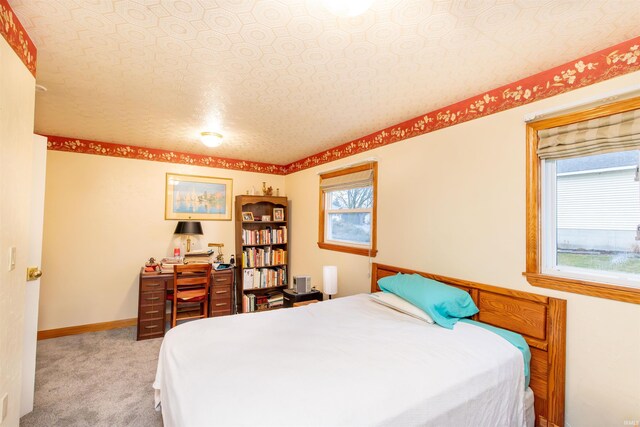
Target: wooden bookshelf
262, 247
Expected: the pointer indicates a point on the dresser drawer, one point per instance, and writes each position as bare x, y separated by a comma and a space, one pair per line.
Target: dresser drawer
221, 305
151, 284
151, 327
220, 313
222, 279
220, 292
151, 298
151, 312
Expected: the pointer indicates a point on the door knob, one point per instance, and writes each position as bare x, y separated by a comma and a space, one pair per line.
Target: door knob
33, 273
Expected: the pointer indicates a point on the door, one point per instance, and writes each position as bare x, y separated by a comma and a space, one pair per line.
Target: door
32, 290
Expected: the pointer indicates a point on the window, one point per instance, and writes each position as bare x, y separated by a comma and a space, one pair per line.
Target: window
583, 202
348, 210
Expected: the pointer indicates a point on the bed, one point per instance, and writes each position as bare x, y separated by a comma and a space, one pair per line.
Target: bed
351, 361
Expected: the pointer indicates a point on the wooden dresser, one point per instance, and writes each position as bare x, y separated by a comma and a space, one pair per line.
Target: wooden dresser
152, 297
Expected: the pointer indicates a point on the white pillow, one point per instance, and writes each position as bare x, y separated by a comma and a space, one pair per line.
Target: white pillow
395, 302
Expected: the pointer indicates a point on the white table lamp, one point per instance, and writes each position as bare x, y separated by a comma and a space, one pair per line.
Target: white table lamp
330, 280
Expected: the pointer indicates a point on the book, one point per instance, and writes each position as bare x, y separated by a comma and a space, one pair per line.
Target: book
199, 252
245, 304
197, 260
247, 281
167, 268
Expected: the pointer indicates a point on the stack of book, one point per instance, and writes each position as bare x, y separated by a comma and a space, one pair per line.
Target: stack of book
275, 299
198, 257
166, 265
262, 302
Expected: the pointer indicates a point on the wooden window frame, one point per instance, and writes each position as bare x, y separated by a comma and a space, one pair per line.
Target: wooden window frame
533, 271
371, 252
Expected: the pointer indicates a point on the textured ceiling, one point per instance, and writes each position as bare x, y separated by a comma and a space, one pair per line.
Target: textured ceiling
286, 79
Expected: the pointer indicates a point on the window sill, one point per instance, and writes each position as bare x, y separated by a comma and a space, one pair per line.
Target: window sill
348, 249
601, 290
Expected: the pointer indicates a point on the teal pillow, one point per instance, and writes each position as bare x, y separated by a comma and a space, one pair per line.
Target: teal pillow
445, 304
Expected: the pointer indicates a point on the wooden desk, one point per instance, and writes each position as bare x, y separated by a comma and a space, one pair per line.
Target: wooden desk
152, 297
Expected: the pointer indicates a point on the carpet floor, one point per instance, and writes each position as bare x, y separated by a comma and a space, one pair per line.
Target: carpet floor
95, 379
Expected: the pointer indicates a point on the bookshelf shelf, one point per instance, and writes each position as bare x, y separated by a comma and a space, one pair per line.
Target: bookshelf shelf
264, 222
267, 266
261, 253
268, 287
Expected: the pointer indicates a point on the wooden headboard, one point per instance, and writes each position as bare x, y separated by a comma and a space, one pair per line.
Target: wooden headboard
539, 319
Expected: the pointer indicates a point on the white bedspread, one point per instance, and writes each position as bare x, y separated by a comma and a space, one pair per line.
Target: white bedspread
344, 362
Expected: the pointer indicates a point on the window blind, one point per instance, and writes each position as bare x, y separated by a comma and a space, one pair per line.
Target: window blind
617, 132
351, 180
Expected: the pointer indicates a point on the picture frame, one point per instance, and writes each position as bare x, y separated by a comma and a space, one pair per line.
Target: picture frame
247, 216
198, 198
278, 214
266, 218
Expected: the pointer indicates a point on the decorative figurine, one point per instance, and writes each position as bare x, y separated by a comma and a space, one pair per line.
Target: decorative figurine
151, 265
266, 191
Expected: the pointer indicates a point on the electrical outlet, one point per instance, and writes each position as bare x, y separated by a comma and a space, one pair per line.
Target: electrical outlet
12, 258
4, 405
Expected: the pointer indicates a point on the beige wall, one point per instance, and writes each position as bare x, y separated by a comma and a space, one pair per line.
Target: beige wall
453, 202
104, 217
17, 89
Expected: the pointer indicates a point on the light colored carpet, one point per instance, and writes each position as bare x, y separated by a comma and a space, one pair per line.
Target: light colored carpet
95, 379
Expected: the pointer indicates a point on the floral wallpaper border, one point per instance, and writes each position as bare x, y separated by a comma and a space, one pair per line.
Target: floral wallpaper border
84, 146
17, 37
615, 61
596, 67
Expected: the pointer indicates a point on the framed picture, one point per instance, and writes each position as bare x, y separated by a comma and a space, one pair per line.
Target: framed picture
278, 214
266, 217
199, 198
247, 216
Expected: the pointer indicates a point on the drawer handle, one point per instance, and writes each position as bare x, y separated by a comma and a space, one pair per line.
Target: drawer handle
151, 327
152, 298
221, 292
152, 312
221, 280
153, 284
220, 304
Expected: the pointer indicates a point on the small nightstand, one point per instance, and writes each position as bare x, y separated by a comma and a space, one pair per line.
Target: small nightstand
291, 297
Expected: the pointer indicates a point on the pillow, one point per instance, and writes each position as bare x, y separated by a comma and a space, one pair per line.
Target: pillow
398, 304
445, 304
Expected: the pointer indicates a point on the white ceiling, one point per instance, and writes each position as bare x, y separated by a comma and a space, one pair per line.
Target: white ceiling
285, 79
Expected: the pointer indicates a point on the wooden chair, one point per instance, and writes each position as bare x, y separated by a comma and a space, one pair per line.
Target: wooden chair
190, 286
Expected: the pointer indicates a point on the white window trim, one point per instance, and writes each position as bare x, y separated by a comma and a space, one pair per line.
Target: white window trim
549, 240
590, 171
327, 228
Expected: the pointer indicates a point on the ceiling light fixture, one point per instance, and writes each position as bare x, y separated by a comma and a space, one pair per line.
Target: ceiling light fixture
347, 8
211, 139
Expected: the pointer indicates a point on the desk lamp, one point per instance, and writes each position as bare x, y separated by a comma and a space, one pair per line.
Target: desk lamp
220, 256
188, 228
330, 280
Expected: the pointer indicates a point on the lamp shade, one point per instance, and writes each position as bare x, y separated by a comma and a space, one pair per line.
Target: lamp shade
188, 227
330, 279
